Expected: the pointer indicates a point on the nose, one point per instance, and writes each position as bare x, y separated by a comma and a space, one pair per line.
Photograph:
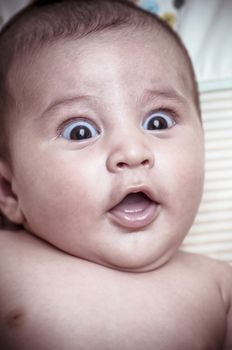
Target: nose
130, 152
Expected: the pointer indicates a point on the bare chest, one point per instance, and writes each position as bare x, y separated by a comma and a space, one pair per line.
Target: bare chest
107, 314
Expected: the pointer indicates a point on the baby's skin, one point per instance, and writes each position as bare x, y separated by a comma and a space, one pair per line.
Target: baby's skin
106, 175
51, 300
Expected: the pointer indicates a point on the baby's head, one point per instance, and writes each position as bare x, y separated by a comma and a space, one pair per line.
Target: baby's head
101, 139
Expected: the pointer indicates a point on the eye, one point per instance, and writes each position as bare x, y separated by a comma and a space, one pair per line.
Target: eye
159, 121
79, 130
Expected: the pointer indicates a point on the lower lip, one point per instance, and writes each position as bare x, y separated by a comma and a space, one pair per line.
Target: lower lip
137, 219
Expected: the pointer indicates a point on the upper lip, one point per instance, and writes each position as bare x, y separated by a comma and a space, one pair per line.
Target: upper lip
120, 195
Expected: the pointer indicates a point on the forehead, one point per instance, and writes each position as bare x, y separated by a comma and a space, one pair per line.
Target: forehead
131, 59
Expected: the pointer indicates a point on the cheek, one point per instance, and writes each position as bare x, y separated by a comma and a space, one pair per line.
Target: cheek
56, 185
184, 172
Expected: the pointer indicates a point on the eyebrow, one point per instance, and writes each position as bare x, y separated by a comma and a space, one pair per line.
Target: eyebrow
147, 96
165, 93
67, 100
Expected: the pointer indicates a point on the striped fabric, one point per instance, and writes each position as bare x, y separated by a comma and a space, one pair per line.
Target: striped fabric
211, 233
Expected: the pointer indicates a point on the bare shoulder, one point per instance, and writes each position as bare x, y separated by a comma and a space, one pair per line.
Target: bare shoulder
11, 243
22, 254
16, 243
220, 273
211, 269
204, 263
11, 238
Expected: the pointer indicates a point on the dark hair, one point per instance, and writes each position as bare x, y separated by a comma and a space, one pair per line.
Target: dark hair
45, 21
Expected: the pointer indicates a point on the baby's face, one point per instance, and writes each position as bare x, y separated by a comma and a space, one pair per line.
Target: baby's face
107, 149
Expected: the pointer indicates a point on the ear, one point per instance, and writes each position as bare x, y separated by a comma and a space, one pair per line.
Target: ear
9, 204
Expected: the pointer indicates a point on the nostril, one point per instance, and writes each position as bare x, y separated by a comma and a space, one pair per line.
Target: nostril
145, 162
121, 165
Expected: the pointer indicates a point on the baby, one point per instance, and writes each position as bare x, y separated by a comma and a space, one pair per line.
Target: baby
102, 166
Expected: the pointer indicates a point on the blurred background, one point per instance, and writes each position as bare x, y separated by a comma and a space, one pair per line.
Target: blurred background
205, 27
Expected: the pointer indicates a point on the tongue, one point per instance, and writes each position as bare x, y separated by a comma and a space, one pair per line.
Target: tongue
132, 203
135, 211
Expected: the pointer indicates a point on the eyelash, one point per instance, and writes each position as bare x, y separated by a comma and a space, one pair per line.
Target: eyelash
69, 122
172, 113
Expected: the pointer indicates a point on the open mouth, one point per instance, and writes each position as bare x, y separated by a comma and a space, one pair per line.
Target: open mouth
134, 211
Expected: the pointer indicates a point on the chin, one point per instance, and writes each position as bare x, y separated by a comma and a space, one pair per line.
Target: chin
135, 264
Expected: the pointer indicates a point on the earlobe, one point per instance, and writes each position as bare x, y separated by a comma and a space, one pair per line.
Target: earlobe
9, 204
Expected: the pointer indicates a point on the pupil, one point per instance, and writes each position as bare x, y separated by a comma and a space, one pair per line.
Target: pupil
80, 133
157, 123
